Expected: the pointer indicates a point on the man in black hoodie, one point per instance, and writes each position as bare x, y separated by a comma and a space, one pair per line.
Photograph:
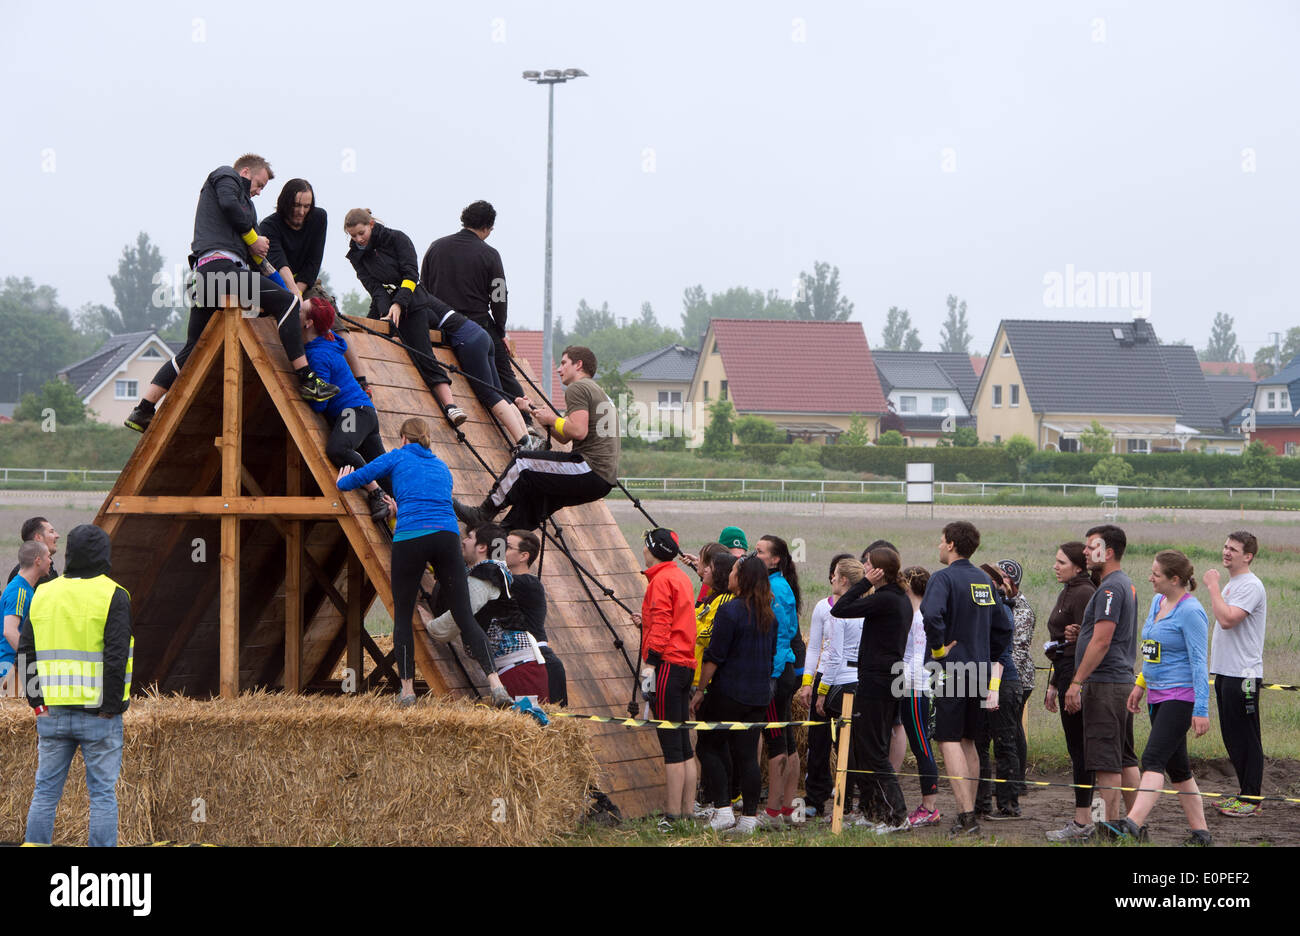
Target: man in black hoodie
75, 656
226, 254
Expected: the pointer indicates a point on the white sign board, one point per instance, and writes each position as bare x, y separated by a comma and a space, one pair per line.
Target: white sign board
922, 493
920, 472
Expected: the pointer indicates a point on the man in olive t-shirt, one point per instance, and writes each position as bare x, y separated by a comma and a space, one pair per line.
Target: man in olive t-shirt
538, 483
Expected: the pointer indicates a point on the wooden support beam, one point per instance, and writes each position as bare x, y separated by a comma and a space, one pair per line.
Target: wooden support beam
302, 508
356, 580
383, 665
231, 461
292, 573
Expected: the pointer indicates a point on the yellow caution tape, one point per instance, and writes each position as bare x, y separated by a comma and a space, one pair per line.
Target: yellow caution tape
696, 725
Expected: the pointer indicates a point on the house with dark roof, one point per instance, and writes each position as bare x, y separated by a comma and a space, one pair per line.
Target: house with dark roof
809, 378
931, 392
1231, 393
660, 382
1049, 380
1275, 419
111, 380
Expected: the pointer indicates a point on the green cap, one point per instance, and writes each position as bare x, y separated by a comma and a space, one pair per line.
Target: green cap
733, 538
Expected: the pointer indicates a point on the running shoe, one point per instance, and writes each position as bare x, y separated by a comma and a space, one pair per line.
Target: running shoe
923, 817
703, 813
1003, 813
722, 819
767, 821
1127, 831
406, 701
1237, 807
965, 826
745, 825
665, 825
314, 390
455, 415
1200, 838
139, 419
378, 506
1073, 832
884, 828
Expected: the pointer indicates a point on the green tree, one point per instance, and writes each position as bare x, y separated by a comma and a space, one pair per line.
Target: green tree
717, 437
899, 335
819, 296
1259, 466
859, 431
1270, 359
587, 320
648, 319
1223, 340
1096, 438
755, 430
966, 437
955, 333
698, 308
1111, 470
141, 304
38, 336
1020, 447
891, 439
57, 395
355, 303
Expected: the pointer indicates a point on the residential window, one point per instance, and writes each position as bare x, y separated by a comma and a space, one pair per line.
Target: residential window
1139, 446
1068, 445
1290, 448
126, 390
1015, 394
1006, 349
670, 399
997, 440
938, 404
723, 391
706, 389
1270, 400
151, 353
997, 394
716, 349
907, 404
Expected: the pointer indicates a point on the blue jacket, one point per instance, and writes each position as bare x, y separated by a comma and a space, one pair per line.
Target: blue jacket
1174, 652
960, 604
327, 360
787, 621
421, 487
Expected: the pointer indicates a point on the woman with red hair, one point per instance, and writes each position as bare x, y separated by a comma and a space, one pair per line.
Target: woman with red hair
354, 434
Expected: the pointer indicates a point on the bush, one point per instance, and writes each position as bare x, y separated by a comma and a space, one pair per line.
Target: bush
979, 464
57, 395
1020, 447
1111, 470
799, 453
891, 439
757, 430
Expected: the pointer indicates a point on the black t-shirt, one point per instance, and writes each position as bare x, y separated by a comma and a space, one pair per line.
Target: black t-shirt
466, 273
886, 621
530, 595
301, 250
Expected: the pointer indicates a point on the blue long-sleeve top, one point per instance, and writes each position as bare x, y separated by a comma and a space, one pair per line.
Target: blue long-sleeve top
1174, 651
327, 360
1009, 671
421, 487
787, 621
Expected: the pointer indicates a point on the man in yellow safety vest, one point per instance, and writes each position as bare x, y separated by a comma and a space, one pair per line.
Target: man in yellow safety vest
75, 656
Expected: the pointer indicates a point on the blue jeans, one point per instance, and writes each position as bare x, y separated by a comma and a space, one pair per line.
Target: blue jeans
60, 731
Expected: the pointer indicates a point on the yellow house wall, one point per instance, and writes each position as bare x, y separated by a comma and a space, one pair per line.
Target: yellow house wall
1005, 420
647, 392
113, 411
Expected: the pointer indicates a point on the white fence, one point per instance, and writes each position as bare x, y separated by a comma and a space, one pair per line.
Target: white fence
55, 475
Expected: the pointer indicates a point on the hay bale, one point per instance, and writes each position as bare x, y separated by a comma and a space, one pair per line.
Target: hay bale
268, 769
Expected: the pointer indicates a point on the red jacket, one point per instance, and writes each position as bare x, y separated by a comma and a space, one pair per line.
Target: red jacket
668, 615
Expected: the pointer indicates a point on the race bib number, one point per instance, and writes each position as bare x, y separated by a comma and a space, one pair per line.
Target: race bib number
1151, 651
982, 594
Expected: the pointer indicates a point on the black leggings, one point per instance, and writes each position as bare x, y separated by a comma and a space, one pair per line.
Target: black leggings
915, 710
672, 703
818, 783
442, 550
728, 755
1166, 750
355, 441
1072, 725
414, 332
218, 280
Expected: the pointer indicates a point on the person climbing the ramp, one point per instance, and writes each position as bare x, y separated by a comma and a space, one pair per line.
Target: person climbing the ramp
426, 533
354, 433
225, 255
536, 484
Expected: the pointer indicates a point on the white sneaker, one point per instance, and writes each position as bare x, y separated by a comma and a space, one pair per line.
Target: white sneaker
767, 821
884, 828
745, 825
723, 819
858, 821
703, 813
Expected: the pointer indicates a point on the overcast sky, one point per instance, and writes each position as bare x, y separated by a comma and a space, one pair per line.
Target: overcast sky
923, 148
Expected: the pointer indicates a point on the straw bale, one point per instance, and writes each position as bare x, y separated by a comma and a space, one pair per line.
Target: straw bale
270, 769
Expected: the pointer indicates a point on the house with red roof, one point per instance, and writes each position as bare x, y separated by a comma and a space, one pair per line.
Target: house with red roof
527, 344
809, 378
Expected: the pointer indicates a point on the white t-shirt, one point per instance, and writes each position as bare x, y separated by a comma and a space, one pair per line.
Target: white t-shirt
819, 636
1239, 651
914, 657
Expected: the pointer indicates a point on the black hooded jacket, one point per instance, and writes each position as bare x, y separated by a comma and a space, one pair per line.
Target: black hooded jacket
389, 272
88, 555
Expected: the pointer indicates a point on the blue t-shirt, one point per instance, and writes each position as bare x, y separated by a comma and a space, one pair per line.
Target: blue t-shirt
421, 487
787, 621
327, 360
17, 599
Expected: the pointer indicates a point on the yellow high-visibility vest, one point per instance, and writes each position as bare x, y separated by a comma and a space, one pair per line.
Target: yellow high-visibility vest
68, 616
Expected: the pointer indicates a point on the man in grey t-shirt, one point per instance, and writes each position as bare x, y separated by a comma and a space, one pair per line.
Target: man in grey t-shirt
1103, 675
1237, 663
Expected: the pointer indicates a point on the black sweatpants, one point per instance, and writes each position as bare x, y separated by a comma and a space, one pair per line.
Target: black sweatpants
818, 782
537, 484
1072, 725
728, 755
873, 729
1239, 725
414, 332
442, 550
215, 282
1000, 728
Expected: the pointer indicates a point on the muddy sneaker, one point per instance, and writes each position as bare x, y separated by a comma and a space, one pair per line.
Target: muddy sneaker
405, 701
315, 390
923, 817
378, 507
1073, 832
722, 819
886, 828
1003, 813
767, 821
472, 516
1200, 838
1237, 807
965, 826
1127, 831
455, 415
745, 825
140, 418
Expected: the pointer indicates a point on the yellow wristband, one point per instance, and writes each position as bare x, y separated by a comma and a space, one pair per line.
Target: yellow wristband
559, 425
823, 689
939, 654
995, 684
408, 284
250, 236
807, 679
1141, 680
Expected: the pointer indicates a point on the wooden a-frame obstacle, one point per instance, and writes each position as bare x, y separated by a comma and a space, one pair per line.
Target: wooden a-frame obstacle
248, 568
